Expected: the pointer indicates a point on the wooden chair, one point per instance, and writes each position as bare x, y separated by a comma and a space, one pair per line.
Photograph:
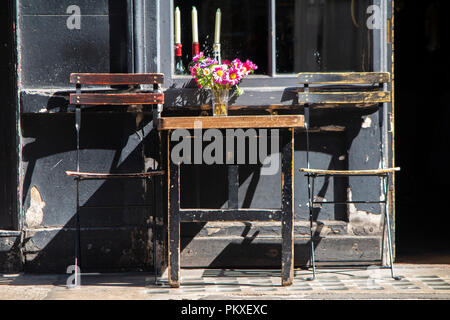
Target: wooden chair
114, 97
332, 90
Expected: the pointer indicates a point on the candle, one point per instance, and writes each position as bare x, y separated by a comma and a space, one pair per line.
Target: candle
217, 30
194, 25
177, 26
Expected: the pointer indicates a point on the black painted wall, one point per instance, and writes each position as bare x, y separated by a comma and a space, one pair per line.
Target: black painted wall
119, 237
10, 237
116, 235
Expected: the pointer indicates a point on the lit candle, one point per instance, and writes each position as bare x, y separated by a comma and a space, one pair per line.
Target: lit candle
194, 25
217, 30
177, 26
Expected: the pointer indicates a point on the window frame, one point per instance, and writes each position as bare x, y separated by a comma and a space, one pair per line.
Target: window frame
260, 90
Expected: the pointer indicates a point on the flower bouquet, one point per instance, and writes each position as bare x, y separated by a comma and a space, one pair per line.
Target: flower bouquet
220, 78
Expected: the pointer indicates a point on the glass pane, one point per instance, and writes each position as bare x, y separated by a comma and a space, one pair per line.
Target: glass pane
244, 29
323, 35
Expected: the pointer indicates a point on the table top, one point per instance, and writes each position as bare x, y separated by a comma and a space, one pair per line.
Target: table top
228, 122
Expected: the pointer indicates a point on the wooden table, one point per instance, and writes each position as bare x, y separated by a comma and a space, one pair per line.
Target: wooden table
285, 214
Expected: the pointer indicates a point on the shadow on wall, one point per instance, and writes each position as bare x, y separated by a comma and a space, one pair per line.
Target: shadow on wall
109, 143
117, 235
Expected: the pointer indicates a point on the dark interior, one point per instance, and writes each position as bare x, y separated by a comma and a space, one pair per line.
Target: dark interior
422, 133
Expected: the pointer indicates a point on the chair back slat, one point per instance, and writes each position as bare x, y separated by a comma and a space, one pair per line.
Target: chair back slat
116, 98
116, 78
343, 77
369, 97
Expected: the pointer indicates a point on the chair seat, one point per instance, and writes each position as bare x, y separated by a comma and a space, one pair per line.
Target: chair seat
92, 175
349, 172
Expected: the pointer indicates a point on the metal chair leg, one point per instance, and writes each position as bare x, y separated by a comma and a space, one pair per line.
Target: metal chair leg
77, 236
310, 204
77, 213
388, 226
154, 207
310, 190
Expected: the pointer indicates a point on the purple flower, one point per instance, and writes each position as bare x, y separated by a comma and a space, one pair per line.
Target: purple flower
207, 62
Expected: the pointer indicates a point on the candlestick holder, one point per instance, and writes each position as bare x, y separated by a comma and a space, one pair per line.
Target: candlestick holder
179, 68
216, 49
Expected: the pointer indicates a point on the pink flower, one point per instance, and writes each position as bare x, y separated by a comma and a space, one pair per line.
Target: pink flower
233, 76
250, 66
207, 72
198, 56
219, 73
193, 69
236, 63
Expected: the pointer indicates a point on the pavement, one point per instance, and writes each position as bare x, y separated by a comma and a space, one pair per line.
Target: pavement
418, 282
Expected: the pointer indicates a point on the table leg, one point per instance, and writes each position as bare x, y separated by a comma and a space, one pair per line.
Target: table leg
173, 218
287, 198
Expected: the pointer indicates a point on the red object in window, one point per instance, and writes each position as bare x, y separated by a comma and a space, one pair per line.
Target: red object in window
178, 50
195, 49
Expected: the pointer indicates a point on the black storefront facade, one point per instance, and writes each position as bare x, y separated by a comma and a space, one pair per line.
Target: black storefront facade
48, 40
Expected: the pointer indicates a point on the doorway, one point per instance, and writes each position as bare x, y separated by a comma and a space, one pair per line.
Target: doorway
8, 150
422, 135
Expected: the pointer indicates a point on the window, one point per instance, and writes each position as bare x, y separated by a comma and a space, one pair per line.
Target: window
309, 35
244, 30
323, 36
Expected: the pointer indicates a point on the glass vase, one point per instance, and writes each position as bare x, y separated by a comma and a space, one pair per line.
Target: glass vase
220, 102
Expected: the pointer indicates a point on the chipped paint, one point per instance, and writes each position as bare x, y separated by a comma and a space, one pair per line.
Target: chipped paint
35, 213
362, 222
367, 123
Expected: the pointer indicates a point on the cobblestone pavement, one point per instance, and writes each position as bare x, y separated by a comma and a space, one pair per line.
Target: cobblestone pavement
417, 282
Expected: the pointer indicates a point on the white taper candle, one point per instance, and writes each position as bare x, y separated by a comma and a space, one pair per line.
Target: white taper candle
194, 25
177, 25
217, 29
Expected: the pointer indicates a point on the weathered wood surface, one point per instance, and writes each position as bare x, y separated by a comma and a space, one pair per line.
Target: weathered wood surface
330, 128
207, 107
344, 97
230, 215
285, 121
265, 252
343, 77
349, 172
116, 98
117, 78
287, 208
92, 175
